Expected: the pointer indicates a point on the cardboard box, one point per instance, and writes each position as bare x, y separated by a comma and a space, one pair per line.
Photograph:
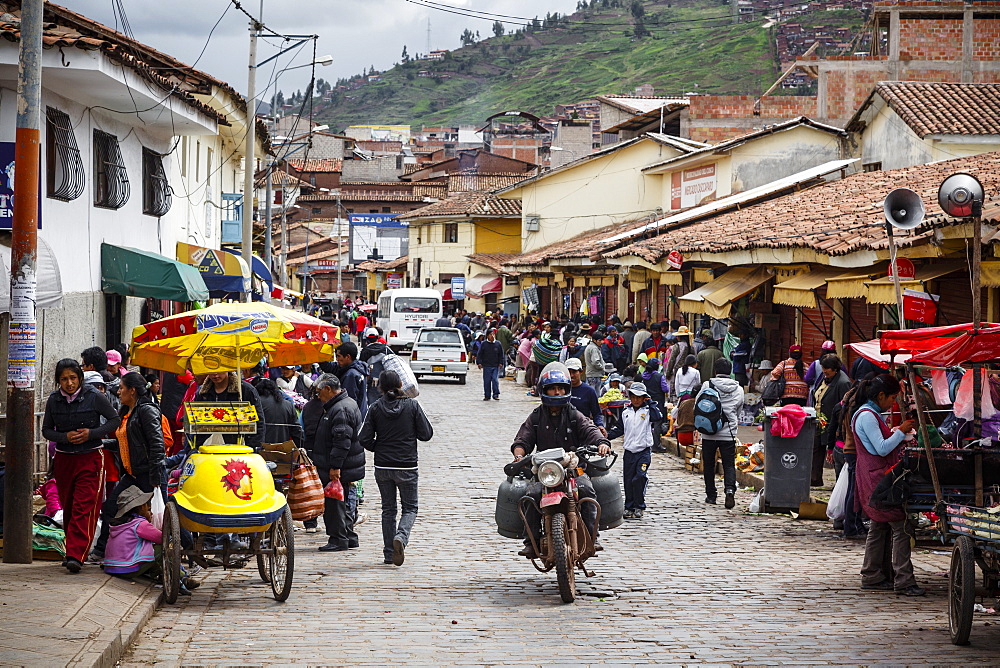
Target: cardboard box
281, 454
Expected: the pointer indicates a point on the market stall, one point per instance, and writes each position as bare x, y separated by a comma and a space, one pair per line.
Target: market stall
954, 475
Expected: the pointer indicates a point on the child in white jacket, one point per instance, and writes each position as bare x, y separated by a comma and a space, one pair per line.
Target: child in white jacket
635, 425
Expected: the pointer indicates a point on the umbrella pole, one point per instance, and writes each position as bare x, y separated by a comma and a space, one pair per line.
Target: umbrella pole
239, 371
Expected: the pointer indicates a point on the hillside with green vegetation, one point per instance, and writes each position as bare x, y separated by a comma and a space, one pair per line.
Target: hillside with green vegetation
606, 47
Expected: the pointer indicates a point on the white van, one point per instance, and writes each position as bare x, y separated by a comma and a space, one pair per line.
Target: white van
403, 312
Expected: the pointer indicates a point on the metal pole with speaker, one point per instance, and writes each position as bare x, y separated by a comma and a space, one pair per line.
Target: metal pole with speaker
904, 210
961, 195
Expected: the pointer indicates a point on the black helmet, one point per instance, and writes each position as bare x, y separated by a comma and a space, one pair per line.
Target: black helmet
554, 373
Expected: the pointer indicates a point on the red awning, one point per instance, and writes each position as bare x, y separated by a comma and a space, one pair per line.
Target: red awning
871, 352
982, 346
496, 285
924, 339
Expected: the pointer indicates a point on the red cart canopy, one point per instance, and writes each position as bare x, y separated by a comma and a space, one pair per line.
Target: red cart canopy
968, 347
925, 339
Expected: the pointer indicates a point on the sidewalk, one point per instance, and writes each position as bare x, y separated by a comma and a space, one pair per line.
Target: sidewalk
53, 618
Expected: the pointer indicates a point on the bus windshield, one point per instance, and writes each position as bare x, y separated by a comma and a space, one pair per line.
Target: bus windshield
417, 305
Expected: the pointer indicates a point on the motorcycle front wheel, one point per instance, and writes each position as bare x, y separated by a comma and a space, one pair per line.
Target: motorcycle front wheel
564, 559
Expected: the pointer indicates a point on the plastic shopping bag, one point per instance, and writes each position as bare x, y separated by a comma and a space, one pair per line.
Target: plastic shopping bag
837, 506
157, 508
334, 490
757, 504
963, 401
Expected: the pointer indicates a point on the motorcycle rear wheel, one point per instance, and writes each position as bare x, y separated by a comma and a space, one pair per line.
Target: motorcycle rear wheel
564, 558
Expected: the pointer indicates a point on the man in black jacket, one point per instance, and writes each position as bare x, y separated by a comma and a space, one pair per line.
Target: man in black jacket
338, 455
490, 360
353, 374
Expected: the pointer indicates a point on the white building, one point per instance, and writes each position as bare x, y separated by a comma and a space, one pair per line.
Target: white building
138, 151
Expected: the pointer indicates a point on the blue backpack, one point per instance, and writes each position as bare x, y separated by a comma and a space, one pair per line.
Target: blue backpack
708, 414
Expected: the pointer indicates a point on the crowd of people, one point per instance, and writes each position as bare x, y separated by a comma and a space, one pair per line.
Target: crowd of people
117, 438
115, 435
656, 374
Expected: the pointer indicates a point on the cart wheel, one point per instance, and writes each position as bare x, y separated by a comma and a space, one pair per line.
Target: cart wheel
961, 590
171, 553
260, 541
281, 562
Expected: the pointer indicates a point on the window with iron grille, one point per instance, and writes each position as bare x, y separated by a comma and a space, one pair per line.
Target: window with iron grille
450, 233
111, 188
64, 173
156, 193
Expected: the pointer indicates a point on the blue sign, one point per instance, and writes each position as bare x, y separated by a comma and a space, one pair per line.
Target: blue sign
7, 187
375, 220
458, 287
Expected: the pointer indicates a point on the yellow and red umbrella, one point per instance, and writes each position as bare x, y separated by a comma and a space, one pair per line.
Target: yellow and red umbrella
233, 336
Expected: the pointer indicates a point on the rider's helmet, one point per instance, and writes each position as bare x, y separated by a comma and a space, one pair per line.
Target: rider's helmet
554, 373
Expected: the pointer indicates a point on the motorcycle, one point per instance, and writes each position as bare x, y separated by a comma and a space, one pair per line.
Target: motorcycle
565, 542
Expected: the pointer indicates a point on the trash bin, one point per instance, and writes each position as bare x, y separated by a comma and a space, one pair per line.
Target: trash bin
787, 464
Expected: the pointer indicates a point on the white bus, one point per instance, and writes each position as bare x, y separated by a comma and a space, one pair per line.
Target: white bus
403, 312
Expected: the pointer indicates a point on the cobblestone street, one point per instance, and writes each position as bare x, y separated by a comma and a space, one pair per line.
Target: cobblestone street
687, 584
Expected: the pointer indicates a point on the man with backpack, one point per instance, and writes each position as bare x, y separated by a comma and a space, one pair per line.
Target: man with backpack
373, 354
716, 411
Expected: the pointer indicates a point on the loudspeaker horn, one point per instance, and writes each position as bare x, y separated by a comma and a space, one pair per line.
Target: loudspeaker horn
903, 209
957, 194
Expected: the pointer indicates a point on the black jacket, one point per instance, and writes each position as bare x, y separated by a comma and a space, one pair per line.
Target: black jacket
280, 422
353, 379
839, 386
569, 429
146, 450
392, 429
337, 445
490, 354
85, 412
312, 413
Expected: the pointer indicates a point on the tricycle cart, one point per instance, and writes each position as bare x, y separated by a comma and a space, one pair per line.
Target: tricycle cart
227, 492
961, 484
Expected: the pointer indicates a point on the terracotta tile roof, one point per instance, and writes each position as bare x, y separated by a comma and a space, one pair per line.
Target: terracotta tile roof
65, 28
494, 261
364, 196
944, 108
279, 178
587, 244
835, 218
469, 204
378, 265
317, 165
472, 182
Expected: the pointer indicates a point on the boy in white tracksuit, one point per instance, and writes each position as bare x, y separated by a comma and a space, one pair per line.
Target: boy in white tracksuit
635, 426
723, 441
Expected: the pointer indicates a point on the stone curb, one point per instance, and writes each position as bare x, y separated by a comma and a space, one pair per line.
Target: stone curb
109, 646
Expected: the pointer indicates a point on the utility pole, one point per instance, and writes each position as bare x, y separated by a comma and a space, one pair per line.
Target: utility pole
20, 452
248, 207
284, 226
340, 250
269, 195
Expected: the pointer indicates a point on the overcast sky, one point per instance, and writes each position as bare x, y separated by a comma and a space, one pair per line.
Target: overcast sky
357, 33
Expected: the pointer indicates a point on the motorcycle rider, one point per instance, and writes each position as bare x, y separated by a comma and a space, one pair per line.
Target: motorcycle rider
556, 423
